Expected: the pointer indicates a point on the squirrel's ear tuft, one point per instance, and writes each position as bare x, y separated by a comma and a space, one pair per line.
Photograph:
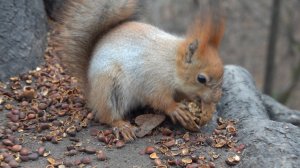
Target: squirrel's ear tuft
218, 31
190, 51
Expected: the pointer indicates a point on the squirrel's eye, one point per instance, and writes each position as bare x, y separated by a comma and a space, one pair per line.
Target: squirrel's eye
201, 79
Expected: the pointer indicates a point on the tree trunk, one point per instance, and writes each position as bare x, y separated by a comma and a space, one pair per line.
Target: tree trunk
23, 33
269, 71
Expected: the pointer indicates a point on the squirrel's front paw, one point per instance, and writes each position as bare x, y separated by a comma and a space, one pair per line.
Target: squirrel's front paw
184, 118
126, 129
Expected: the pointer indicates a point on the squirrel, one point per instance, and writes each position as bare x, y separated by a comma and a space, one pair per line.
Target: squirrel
121, 63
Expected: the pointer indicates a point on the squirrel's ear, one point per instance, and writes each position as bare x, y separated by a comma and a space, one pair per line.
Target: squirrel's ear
192, 47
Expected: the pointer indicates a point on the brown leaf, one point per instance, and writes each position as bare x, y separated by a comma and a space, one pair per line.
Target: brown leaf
147, 123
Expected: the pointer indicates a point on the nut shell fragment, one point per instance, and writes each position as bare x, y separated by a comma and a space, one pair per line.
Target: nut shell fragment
154, 155
233, 160
186, 160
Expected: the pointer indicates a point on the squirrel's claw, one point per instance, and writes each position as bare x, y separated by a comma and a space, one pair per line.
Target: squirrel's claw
128, 133
127, 130
184, 118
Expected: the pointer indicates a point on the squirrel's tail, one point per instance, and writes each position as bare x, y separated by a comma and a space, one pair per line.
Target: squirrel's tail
83, 23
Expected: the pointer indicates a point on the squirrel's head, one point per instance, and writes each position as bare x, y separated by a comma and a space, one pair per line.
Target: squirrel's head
199, 66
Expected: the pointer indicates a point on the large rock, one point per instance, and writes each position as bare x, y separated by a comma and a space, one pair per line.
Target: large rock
268, 143
23, 33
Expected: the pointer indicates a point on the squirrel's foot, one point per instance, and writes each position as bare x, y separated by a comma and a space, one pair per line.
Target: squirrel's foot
126, 129
184, 117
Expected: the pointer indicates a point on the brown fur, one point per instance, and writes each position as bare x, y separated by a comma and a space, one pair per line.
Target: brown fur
83, 24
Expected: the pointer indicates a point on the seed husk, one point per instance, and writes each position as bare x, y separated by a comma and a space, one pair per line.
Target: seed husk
16, 148
25, 151
154, 155
149, 150
120, 144
33, 156
13, 163
42, 106
186, 160
71, 152
166, 131
94, 132
170, 143
90, 150
8, 158
41, 150
24, 158
185, 151
31, 116
233, 160
71, 131
220, 143
86, 160
101, 155
157, 162
7, 142
51, 160
69, 163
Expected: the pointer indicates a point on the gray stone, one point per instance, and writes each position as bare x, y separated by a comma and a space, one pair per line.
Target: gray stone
23, 33
268, 143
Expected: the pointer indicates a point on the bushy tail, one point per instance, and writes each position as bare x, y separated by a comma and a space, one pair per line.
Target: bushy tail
83, 23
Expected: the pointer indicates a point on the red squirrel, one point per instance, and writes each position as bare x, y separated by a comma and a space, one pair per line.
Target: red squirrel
122, 64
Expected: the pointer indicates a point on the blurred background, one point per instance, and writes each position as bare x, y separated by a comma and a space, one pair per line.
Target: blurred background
262, 36
259, 34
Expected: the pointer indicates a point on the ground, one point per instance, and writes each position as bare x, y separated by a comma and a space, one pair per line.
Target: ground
44, 112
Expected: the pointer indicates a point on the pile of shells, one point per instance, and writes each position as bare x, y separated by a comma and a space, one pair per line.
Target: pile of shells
45, 105
184, 149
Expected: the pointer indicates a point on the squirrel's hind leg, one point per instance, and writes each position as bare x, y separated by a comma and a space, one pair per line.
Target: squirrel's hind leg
107, 101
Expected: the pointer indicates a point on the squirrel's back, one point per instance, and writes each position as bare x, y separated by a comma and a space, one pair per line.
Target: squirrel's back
139, 48
83, 24
137, 56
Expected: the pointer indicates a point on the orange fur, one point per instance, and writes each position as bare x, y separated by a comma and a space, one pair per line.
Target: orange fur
208, 31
